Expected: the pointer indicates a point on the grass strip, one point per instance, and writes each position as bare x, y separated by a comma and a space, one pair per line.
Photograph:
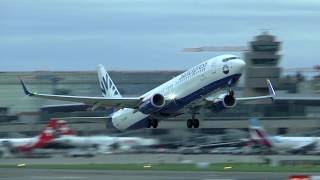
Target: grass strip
230, 167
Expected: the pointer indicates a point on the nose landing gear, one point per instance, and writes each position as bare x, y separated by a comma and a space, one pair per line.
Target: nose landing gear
230, 90
152, 123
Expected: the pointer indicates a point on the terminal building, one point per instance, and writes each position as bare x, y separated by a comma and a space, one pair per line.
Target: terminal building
262, 63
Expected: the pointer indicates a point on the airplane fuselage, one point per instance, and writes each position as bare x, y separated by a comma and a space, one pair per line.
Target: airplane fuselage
101, 142
18, 141
198, 82
287, 144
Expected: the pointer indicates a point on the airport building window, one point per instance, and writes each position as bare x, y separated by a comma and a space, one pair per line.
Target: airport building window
282, 131
264, 61
265, 47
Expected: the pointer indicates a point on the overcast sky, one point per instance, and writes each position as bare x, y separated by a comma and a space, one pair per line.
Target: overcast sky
148, 34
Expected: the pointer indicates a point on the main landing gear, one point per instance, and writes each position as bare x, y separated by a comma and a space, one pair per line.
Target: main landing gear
152, 123
193, 123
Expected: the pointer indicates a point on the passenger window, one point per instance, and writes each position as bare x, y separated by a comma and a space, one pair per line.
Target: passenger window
228, 59
282, 131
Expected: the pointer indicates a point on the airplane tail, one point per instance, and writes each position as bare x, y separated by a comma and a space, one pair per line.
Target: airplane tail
107, 86
258, 134
46, 136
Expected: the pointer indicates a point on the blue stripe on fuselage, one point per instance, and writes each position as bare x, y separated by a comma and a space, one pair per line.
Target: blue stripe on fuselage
180, 103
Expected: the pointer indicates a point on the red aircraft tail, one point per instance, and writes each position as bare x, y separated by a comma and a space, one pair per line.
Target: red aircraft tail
46, 135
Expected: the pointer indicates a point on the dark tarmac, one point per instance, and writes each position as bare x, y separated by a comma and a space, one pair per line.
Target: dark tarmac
46, 174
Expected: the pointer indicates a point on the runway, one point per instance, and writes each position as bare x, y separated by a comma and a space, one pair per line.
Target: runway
154, 158
135, 158
46, 174
62, 174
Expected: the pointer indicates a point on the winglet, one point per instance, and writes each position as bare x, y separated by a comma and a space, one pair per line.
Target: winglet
26, 92
272, 93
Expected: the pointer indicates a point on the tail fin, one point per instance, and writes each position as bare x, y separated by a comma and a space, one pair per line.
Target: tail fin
258, 134
46, 135
107, 86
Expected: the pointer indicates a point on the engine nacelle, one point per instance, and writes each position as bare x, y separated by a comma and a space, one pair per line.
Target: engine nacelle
224, 101
152, 104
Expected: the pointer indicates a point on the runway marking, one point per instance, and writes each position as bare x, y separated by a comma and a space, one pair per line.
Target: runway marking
72, 177
219, 179
61, 177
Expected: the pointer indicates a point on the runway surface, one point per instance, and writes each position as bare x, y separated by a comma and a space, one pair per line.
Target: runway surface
45, 174
135, 158
153, 158
62, 174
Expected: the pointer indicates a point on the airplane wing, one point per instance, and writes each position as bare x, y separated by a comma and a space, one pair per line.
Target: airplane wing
301, 99
207, 102
270, 96
129, 102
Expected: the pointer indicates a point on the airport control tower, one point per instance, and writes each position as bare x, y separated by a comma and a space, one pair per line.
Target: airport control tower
262, 63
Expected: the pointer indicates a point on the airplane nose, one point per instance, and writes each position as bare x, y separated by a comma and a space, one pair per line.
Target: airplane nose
239, 64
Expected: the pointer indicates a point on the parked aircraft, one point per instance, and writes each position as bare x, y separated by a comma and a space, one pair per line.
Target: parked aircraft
281, 144
66, 138
27, 145
206, 85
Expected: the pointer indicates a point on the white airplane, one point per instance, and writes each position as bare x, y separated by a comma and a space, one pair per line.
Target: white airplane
27, 145
202, 86
68, 138
281, 144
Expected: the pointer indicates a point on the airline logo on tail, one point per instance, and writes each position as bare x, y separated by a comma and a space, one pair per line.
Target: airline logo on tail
107, 86
46, 136
258, 134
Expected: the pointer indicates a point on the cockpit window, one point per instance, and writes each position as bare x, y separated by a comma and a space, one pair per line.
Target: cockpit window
229, 58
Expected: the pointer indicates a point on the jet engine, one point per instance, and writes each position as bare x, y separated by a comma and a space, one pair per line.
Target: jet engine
152, 104
223, 101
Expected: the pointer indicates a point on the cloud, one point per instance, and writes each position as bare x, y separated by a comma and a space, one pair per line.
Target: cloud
148, 33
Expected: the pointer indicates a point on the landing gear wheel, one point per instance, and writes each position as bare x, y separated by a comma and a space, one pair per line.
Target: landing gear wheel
196, 123
154, 123
189, 123
149, 123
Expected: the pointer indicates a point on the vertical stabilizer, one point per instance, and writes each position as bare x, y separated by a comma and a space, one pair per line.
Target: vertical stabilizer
46, 136
108, 88
258, 134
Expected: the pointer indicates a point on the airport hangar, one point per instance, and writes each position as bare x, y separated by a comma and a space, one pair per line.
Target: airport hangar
282, 117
